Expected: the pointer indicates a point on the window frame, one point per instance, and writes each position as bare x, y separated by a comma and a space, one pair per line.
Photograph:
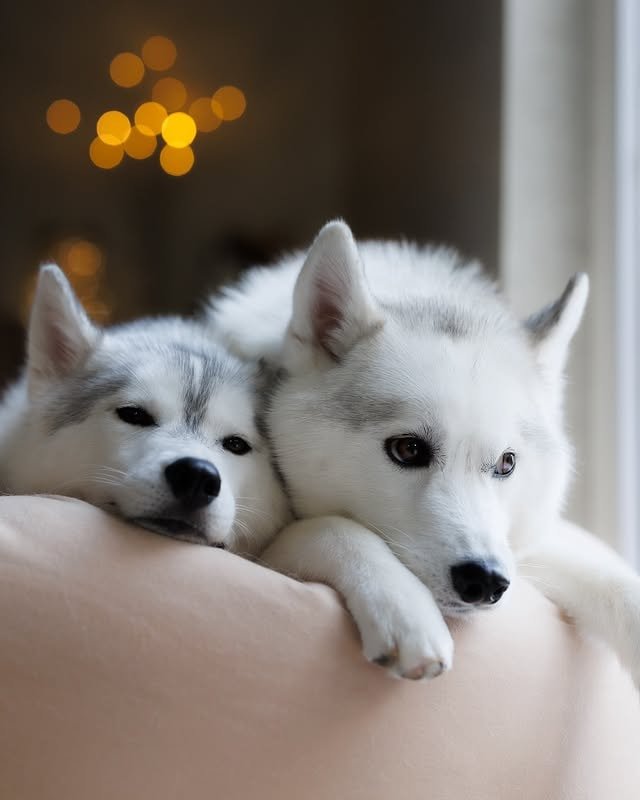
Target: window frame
627, 275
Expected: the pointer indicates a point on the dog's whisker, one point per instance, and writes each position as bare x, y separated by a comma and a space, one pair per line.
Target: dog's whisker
256, 512
401, 532
397, 546
110, 470
389, 540
242, 526
104, 482
88, 473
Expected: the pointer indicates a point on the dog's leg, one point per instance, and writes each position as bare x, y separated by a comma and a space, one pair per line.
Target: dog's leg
593, 585
398, 619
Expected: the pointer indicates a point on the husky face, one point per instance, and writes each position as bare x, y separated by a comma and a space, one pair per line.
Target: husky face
432, 421
147, 420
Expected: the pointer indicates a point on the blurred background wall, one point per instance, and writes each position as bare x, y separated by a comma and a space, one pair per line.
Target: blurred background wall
488, 126
508, 128
385, 114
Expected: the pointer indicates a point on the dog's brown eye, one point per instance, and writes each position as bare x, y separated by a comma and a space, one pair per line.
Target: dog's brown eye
409, 451
505, 464
236, 445
134, 415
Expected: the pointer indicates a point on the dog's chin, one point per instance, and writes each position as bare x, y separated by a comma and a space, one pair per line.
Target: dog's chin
176, 528
454, 608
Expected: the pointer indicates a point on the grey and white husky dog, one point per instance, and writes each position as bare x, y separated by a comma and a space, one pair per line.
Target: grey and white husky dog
418, 427
149, 420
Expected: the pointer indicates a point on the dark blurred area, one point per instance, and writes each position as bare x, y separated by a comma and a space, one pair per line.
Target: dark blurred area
385, 114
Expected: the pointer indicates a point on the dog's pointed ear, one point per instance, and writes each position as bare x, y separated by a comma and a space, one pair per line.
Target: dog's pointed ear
552, 328
332, 304
61, 335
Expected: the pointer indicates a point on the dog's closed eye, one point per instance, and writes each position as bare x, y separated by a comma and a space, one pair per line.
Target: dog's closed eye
135, 415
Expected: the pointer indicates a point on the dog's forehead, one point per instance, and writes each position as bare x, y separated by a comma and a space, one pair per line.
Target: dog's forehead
447, 382
438, 315
198, 385
174, 377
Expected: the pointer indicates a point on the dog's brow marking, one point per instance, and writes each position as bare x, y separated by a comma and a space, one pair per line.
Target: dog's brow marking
199, 384
452, 322
437, 315
208, 377
74, 402
188, 377
349, 406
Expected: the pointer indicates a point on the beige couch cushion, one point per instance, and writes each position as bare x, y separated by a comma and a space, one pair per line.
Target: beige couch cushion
133, 666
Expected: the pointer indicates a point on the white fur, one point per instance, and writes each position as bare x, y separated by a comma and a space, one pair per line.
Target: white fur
118, 466
386, 323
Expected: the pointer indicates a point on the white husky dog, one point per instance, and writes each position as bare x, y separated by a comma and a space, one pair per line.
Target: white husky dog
147, 420
419, 413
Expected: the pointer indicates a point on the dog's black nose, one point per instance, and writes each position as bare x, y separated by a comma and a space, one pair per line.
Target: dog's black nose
478, 582
193, 481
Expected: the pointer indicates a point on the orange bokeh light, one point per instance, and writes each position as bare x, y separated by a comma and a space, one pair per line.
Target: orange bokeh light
63, 116
159, 53
170, 93
228, 103
176, 161
139, 145
113, 127
82, 258
82, 261
126, 70
149, 118
203, 115
105, 156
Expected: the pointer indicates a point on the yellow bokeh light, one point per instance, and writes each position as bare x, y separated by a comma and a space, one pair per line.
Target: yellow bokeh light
63, 116
149, 118
113, 127
126, 70
179, 130
170, 93
228, 103
105, 156
139, 145
159, 53
203, 115
176, 161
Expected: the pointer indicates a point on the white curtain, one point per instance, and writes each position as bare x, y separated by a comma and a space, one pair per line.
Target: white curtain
561, 211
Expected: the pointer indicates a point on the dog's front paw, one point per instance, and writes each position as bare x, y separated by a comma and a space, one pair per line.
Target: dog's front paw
403, 630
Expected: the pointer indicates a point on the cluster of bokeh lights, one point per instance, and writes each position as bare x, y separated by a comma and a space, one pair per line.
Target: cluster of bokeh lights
165, 115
